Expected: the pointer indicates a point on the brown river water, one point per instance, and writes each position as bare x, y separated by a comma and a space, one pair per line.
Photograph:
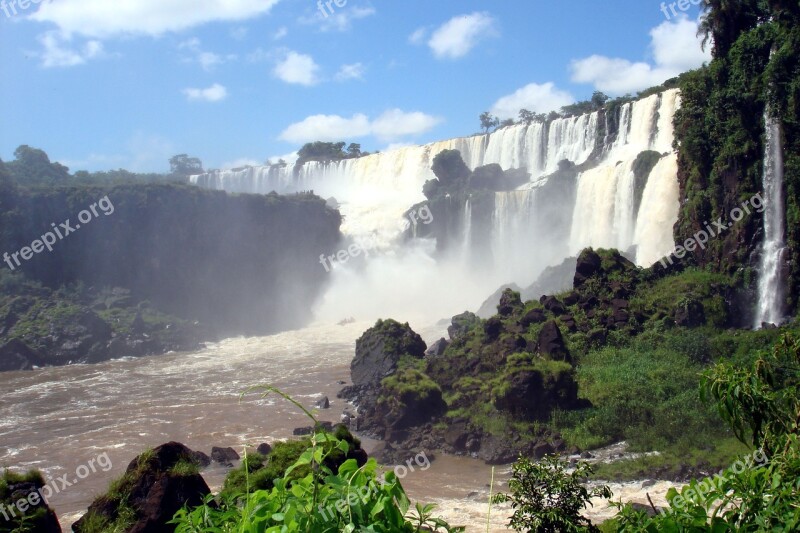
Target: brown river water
61, 420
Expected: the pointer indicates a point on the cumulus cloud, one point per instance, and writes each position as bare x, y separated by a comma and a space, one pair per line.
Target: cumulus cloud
327, 128
675, 48
297, 68
459, 35
102, 19
353, 71
215, 93
396, 123
539, 98
392, 124
340, 19
57, 50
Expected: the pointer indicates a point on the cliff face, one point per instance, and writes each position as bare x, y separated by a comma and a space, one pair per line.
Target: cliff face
720, 130
238, 264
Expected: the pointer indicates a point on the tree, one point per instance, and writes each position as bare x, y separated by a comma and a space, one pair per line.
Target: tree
723, 21
599, 99
547, 498
32, 166
489, 121
183, 165
527, 117
507, 122
354, 150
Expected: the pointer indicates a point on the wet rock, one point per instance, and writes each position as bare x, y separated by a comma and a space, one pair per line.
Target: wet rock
380, 348
492, 328
224, 455
543, 449
551, 342
152, 489
588, 265
16, 355
534, 316
201, 459
510, 303
552, 304
264, 449
37, 515
437, 348
461, 324
323, 403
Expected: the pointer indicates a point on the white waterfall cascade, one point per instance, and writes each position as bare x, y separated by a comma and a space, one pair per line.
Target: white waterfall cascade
374, 192
467, 225
770, 285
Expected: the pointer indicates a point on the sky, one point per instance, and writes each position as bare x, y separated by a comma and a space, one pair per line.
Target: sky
101, 84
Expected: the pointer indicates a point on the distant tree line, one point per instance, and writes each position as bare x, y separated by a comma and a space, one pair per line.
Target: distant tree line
597, 102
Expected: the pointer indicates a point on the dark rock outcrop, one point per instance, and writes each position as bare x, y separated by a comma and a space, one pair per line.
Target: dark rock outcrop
437, 348
154, 488
461, 324
224, 455
379, 349
551, 343
34, 514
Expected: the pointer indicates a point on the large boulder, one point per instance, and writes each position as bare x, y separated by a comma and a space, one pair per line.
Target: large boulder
589, 263
380, 348
551, 342
510, 303
449, 167
16, 355
154, 487
22, 505
461, 324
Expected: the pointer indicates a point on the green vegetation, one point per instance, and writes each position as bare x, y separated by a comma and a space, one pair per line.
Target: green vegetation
319, 490
545, 497
326, 151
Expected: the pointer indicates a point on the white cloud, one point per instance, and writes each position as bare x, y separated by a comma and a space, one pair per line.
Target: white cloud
327, 128
297, 68
456, 37
103, 19
280, 33
395, 123
539, 98
392, 124
675, 48
341, 19
418, 37
57, 51
215, 93
353, 71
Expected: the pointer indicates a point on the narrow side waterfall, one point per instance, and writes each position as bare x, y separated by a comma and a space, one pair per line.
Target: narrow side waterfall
770, 284
466, 245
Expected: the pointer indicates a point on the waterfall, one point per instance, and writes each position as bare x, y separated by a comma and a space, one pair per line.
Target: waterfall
467, 225
604, 214
770, 284
553, 216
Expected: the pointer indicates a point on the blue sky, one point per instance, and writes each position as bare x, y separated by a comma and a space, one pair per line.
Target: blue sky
102, 84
